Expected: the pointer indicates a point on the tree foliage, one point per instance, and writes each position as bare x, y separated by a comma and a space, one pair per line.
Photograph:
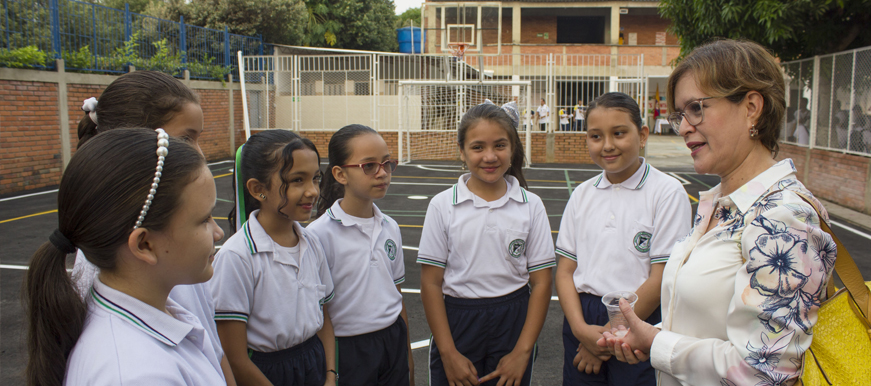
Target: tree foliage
410, 16
791, 29
352, 24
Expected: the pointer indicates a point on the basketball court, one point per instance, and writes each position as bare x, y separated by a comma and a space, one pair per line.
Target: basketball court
27, 220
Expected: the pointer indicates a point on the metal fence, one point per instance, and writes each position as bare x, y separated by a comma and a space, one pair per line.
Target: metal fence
326, 92
91, 37
829, 102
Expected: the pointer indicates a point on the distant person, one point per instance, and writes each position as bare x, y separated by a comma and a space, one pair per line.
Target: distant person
802, 123
563, 120
616, 234
741, 292
841, 124
861, 123
542, 113
579, 116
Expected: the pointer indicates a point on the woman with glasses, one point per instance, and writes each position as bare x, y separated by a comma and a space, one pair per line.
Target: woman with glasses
741, 291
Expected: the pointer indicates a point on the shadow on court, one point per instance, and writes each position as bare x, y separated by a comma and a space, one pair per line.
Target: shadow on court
26, 222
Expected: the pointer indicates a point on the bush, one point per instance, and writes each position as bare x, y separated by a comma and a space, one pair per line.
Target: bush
83, 58
24, 57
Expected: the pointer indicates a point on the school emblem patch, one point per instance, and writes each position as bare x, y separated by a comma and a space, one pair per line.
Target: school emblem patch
390, 248
642, 241
515, 248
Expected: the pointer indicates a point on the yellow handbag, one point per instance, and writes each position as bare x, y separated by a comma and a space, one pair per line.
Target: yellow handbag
840, 352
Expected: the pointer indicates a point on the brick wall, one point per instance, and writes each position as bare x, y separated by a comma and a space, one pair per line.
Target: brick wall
832, 176
531, 26
646, 26
31, 149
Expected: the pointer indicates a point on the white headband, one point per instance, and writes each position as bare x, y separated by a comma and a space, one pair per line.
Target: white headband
90, 107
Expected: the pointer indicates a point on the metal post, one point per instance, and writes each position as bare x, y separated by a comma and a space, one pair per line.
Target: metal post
815, 103
399, 125
55, 29
183, 45
852, 101
227, 49
128, 29
529, 125
245, 122
260, 48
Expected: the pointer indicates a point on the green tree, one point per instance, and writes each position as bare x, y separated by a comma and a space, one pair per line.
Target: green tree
138, 6
411, 15
791, 29
353, 24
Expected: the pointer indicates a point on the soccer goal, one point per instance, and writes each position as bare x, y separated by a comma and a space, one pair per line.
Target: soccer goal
430, 113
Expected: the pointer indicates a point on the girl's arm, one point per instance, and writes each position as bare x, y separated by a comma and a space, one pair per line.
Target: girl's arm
570, 302
512, 366
228, 372
328, 339
649, 292
234, 337
404, 316
458, 368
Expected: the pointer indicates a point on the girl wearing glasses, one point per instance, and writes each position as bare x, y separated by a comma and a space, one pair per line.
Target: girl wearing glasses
486, 254
271, 277
740, 293
364, 252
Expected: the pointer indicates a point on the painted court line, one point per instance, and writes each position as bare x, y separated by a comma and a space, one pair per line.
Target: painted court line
679, 178
853, 230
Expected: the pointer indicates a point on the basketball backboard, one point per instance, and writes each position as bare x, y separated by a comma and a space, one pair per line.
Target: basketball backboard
476, 26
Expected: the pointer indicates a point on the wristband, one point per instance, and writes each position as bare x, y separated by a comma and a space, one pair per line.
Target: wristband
334, 372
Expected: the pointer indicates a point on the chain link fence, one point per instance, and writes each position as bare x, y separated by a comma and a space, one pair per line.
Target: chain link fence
829, 102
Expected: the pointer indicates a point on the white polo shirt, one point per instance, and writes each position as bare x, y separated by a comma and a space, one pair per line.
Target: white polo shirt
127, 342
616, 231
366, 268
487, 249
543, 111
280, 296
195, 298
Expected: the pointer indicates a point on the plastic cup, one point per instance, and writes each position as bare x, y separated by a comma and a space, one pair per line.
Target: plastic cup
611, 301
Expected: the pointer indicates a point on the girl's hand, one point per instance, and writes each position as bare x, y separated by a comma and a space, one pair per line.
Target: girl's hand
331, 379
510, 369
587, 362
630, 345
459, 370
588, 338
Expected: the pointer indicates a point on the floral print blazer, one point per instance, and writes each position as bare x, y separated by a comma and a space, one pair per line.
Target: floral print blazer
739, 302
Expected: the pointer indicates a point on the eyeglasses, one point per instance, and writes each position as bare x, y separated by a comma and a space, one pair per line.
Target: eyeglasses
371, 168
694, 112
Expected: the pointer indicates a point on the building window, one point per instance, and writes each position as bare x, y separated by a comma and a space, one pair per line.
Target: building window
580, 29
361, 88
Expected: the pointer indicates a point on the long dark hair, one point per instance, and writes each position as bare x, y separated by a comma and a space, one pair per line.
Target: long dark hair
265, 153
100, 196
619, 101
146, 99
498, 116
339, 152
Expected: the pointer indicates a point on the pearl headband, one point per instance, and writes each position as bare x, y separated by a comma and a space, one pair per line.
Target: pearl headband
90, 106
162, 151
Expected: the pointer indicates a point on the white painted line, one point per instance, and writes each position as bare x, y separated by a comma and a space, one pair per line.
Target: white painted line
420, 344
410, 247
436, 169
28, 195
16, 267
436, 184
418, 197
219, 162
410, 291
856, 231
679, 178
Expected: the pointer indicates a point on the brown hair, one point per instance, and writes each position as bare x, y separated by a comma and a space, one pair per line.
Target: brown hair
732, 68
99, 199
146, 99
495, 114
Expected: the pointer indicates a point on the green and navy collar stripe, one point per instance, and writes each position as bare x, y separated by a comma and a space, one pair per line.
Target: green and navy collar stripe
455, 194
644, 177
249, 238
549, 264
238, 316
659, 259
333, 216
567, 254
598, 180
328, 298
116, 309
513, 187
399, 281
421, 260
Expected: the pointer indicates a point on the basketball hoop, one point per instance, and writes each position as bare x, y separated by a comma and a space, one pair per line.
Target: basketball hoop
458, 50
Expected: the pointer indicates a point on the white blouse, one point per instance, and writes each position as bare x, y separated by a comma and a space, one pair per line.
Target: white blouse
739, 302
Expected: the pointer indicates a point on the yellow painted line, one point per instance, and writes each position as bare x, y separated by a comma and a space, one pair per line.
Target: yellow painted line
219, 218
29, 215
223, 175
692, 198
410, 226
455, 178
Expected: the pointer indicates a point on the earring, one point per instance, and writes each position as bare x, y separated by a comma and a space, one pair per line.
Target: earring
262, 196
464, 165
753, 131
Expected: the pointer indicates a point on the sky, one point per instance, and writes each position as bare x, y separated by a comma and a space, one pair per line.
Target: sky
402, 5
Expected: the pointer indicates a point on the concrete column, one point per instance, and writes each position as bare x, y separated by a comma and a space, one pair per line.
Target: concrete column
63, 113
430, 19
187, 78
515, 29
613, 30
232, 115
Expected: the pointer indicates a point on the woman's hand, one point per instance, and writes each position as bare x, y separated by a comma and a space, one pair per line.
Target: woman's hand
630, 345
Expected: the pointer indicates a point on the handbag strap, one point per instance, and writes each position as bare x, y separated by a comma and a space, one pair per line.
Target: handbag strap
846, 268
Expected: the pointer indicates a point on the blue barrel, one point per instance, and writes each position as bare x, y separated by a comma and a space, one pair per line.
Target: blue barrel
409, 39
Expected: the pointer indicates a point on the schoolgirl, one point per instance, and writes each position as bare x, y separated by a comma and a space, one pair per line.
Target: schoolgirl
364, 251
152, 100
271, 277
139, 204
486, 255
616, 234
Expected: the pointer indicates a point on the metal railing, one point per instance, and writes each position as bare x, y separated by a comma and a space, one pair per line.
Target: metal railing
829, 102
92, 37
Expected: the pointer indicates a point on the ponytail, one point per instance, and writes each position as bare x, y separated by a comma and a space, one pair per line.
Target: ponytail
56, 316
87, 130
339, 152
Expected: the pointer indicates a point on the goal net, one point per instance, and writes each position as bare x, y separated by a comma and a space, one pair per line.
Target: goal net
430, 114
